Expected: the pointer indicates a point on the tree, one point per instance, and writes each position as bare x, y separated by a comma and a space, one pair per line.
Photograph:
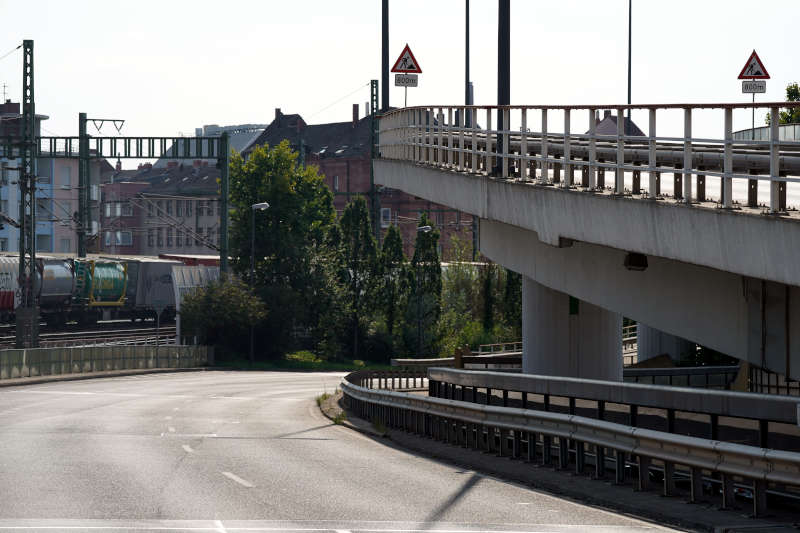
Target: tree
394, 276
286, 237
424, 307
360, 258
512, 304
791, 115
221, 314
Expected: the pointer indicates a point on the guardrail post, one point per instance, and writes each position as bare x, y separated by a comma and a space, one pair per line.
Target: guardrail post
677, 182
568, 177
601, 174
714, 427
687, 156
599, 462
563, 453
643, 478
619, 468
670, 420
506, 127
503, 450
474, 147
633, 415
774, 162
668, 488
488, 400
531, 442
516, 445
524, 399
505, 398
727, 170
752, 189
523, 145
696, 485
763, 433
543, 165
547, 449
462, 118
488, 160
449, 149
701, 184
580, 457
728, 494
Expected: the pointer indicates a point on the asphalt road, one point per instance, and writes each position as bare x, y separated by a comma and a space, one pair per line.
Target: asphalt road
249, 451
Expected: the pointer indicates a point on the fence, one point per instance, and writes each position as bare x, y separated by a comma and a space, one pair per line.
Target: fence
566, 439
54, 361
531, 146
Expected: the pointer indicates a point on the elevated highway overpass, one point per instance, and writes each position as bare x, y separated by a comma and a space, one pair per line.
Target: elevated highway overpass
719, 269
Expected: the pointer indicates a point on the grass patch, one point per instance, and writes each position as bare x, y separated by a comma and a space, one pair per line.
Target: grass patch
303, 360
341, 417
321, 399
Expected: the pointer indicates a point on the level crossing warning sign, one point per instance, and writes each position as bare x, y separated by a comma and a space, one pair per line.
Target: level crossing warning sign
407, 63
754, 69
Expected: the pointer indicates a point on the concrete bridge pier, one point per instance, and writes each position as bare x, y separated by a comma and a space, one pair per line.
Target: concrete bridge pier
652, 342
563, 336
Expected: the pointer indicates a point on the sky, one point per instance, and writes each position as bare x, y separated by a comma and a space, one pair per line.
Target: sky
168, 67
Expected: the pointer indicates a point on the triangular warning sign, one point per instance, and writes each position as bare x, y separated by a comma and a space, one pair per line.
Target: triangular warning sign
406, 63
754, 69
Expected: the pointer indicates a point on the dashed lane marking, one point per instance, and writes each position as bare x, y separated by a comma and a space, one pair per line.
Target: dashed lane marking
187, 448
237, 479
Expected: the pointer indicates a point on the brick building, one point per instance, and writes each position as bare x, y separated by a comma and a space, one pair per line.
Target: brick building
342, 152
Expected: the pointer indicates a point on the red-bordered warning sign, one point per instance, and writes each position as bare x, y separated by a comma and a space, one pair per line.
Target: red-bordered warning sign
407, 63
754, 69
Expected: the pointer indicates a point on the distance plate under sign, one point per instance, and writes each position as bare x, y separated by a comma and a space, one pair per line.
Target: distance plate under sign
754, 86
406, 80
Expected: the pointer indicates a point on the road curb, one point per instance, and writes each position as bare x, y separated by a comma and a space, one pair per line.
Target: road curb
331, 407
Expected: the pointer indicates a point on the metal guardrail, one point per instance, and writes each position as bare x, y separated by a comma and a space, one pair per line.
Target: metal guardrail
54, 361
763, 409
578, 440
682, 376
484, 360
514, 346
438, 136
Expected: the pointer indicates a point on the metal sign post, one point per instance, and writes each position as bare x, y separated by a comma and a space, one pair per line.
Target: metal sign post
407, 69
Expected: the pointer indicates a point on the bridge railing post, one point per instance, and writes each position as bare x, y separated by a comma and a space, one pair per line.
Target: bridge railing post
619, 176
687, 155
440, 155
543, 159
592, 150
727, 181
523, 144
488, 144
774, 162
506, 127
652, 190
474, 126
567, 152
462, 119
449, 148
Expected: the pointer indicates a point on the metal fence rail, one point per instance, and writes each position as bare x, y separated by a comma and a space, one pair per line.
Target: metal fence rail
760, 409
532, 147
68, 360
580, 442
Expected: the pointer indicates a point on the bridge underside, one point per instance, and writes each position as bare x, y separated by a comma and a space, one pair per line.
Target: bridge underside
739, 295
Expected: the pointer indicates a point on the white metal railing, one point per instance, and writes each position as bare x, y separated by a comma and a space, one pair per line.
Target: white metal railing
533, 147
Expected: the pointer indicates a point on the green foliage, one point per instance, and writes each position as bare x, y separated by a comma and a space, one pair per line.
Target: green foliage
791, 115
286, 237
394, 278
424, 305
221, 314
512, 305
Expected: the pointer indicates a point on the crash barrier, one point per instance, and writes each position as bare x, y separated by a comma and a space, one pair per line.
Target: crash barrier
515, 346
707, 377
757, 410
74, 360
583, 444
503, 359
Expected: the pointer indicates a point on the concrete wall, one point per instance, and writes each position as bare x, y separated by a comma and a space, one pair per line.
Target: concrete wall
652, 342
751, 245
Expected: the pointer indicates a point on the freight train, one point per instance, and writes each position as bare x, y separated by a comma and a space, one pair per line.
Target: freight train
86, 290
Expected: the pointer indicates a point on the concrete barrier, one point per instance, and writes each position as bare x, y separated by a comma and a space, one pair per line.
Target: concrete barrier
55, 361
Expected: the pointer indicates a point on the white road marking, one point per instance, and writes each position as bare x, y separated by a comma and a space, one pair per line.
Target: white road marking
187, 448
220, 527
238, 480
171, 429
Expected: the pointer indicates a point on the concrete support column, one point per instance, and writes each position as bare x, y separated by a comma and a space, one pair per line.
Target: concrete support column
651, 343
563, 336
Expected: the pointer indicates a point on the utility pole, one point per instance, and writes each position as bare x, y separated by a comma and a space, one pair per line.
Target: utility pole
224, 160
84, 217
373, 193
27, 330
466, 67
385, 55
630, 20
503, 67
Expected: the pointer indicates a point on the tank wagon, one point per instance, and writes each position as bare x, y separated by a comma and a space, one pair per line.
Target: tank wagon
86, 290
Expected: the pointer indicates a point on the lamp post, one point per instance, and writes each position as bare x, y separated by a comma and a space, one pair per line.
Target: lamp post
253, 208
420, 229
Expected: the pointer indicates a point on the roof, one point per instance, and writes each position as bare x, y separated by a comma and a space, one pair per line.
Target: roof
335, 139
179, 180
608, 126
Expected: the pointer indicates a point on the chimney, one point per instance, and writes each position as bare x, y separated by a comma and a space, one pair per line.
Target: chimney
355, 115
278, 115
139, 167
596, 117
147, 166
119, 165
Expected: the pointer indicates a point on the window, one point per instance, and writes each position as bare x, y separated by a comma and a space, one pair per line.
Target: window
178, 208
159, 208
126, 209
44, 243
169, 207
124, 238
109, 208
169, 237
4, 206
336, 183
198, 232
440, 219
178, 237
65, 245
43, 210
150, 237
3, 245
201, 208
150, 209
386, 217
188, 208
160, 238
66, 177
65, 207
94, 192
4, 173
109, 238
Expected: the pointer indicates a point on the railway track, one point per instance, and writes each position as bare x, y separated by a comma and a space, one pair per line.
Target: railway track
104, 336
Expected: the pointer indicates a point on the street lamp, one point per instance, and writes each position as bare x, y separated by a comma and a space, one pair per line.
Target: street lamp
420, 229
253, 208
